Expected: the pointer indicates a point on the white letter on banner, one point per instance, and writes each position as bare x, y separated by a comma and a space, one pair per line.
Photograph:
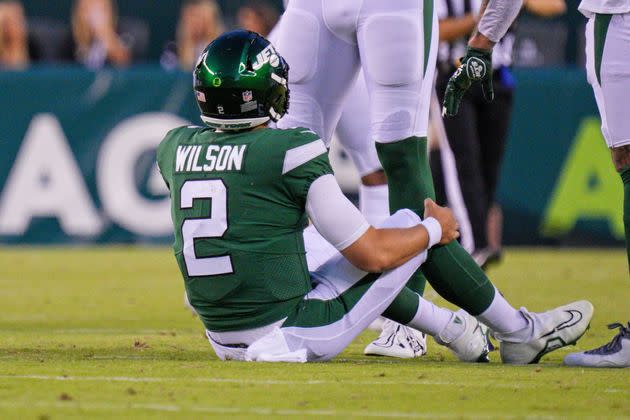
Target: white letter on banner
116, 178
45, 181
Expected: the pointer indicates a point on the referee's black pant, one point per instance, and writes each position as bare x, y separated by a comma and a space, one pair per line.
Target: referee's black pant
477, 136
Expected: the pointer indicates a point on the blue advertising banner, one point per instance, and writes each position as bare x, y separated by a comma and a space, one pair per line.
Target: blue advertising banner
78, 162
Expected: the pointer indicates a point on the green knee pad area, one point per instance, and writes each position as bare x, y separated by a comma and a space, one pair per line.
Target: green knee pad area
450, 269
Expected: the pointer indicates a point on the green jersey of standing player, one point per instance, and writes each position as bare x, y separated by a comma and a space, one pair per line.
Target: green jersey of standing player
238, 197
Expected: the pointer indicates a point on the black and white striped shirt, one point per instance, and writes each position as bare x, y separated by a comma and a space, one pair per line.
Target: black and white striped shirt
450, 52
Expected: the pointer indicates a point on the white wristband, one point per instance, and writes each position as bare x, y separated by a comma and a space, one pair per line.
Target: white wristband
434, 229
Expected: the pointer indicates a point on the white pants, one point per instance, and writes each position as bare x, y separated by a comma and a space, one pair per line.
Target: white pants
343, 302
608, 72
326, 42
353, 129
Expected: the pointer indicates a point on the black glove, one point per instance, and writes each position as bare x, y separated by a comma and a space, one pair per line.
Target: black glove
476, 66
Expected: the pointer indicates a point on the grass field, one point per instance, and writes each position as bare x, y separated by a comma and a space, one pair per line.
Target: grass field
102, 332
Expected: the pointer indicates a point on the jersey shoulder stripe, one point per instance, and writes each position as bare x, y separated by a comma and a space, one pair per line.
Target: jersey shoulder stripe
298, 156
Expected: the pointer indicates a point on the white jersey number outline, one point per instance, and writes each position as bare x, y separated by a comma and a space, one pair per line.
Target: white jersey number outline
211, 227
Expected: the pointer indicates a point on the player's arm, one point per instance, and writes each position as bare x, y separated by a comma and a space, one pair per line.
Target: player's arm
496, 17
383, 249
366, 247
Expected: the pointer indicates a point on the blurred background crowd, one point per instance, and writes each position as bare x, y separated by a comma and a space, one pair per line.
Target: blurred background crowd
513, 163
96, 33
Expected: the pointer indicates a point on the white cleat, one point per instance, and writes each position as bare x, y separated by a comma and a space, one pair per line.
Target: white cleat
551, 330
465, 337
398, 341
615, 354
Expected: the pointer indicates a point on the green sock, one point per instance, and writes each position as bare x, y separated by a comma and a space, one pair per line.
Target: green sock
417, 282
457, 278
401, 159
450, 269
404, 308
625, 177
406, 164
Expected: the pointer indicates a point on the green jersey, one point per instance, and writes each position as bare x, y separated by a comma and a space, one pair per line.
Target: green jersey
238, 209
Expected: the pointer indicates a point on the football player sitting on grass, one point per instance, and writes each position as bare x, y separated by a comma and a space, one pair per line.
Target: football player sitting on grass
242, 195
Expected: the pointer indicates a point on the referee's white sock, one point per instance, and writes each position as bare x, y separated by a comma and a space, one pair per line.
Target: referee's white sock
374, 203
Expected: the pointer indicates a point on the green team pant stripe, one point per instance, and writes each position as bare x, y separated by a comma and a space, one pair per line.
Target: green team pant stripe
427, 16
312, 313
601, 29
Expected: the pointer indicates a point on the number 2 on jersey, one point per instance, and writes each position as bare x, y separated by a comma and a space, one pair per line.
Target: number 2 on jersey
211, 227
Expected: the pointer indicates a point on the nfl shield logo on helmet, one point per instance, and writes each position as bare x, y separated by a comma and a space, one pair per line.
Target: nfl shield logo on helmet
248, 96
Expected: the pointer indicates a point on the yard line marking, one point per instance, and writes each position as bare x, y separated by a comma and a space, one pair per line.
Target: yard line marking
120, 358
267, 381
613, 390
260, 411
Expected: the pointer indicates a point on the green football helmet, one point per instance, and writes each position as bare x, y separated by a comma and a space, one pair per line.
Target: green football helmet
241, 82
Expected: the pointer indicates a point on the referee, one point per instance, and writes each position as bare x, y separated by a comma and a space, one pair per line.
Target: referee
477, 134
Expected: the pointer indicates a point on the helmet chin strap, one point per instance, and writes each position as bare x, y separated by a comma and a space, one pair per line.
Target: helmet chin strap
235, 124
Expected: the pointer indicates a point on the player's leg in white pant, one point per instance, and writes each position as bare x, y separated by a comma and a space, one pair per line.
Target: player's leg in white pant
459, 332
398, 61
608, 72
399, 77
391, 43
353, 132
324, 64
353, 129
342, 304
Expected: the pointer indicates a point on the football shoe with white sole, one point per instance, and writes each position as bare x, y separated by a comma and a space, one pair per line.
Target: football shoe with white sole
466, 338
615, 354
397, 340
548, 331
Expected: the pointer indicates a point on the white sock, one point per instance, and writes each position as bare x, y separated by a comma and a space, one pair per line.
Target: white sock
374, 203
502, 317
430, 319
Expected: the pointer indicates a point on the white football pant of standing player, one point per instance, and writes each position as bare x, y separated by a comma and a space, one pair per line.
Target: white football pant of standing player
332, 39
608, 72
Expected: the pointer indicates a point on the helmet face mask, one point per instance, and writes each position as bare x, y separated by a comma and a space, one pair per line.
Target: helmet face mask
240, 82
